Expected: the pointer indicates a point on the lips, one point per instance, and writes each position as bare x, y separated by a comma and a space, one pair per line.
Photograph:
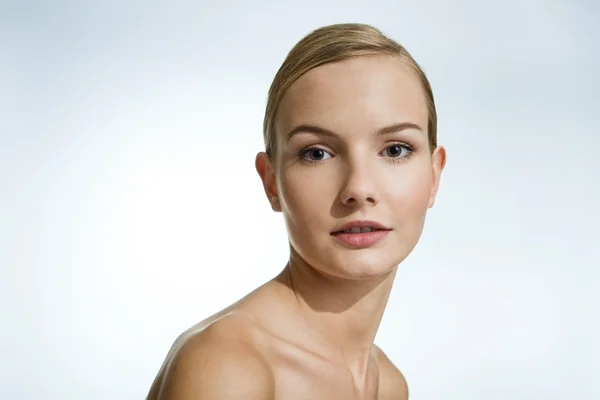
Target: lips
357, 227
360, 234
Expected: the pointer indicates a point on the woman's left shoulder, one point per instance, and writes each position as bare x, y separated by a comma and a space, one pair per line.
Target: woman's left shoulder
392, 384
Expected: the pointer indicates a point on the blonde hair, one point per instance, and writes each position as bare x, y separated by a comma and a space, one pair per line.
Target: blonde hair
334, 43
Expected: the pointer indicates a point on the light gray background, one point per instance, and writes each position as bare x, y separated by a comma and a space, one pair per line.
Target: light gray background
130, 208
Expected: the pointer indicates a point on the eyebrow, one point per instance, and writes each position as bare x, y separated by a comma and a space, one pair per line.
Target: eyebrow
386, 130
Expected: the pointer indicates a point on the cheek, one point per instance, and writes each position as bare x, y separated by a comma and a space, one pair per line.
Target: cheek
305, 198
410, 194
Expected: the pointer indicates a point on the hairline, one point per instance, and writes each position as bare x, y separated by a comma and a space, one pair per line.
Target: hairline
410, 65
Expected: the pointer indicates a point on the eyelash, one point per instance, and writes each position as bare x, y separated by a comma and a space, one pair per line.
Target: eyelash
409, 148
411, 151
302, 154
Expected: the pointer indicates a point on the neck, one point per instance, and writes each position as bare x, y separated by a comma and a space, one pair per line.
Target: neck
344, 313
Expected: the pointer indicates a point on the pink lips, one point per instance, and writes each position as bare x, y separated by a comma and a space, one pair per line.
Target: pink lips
360, 234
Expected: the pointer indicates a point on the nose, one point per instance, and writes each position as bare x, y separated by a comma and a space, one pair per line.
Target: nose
359, 187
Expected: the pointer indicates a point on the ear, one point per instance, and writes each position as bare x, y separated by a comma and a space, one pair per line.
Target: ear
265, 170
438, 162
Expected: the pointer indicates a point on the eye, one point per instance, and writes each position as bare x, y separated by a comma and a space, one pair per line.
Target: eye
397, 150
315, 154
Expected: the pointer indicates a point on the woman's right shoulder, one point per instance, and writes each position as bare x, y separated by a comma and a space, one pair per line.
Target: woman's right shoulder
210, 357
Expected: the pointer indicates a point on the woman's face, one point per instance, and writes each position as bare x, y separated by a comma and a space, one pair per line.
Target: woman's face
352, 148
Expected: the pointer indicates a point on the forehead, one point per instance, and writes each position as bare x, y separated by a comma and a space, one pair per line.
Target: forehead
357, 95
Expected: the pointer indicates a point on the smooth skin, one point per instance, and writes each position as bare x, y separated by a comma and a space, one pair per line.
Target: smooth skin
351, 145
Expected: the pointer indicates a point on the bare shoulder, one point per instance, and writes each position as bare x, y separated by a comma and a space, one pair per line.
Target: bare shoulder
222, 361
392, 385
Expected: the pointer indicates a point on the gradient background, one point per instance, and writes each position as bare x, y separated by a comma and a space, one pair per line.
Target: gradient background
130, 208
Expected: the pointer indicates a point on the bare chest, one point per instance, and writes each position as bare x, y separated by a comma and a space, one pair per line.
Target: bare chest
312, 378
298, 388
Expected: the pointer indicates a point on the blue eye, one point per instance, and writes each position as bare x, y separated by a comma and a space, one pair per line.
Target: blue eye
397, 151
315, 154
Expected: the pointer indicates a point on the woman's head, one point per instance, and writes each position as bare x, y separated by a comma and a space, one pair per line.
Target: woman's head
350, 134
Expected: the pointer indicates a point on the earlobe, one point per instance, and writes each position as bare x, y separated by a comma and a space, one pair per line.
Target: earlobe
266, 172
438, 162
275, 206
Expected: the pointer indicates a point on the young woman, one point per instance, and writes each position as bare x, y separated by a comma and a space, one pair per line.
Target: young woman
353, 165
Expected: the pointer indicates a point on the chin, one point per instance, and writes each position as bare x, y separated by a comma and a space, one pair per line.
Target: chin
360, 264
333, 259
